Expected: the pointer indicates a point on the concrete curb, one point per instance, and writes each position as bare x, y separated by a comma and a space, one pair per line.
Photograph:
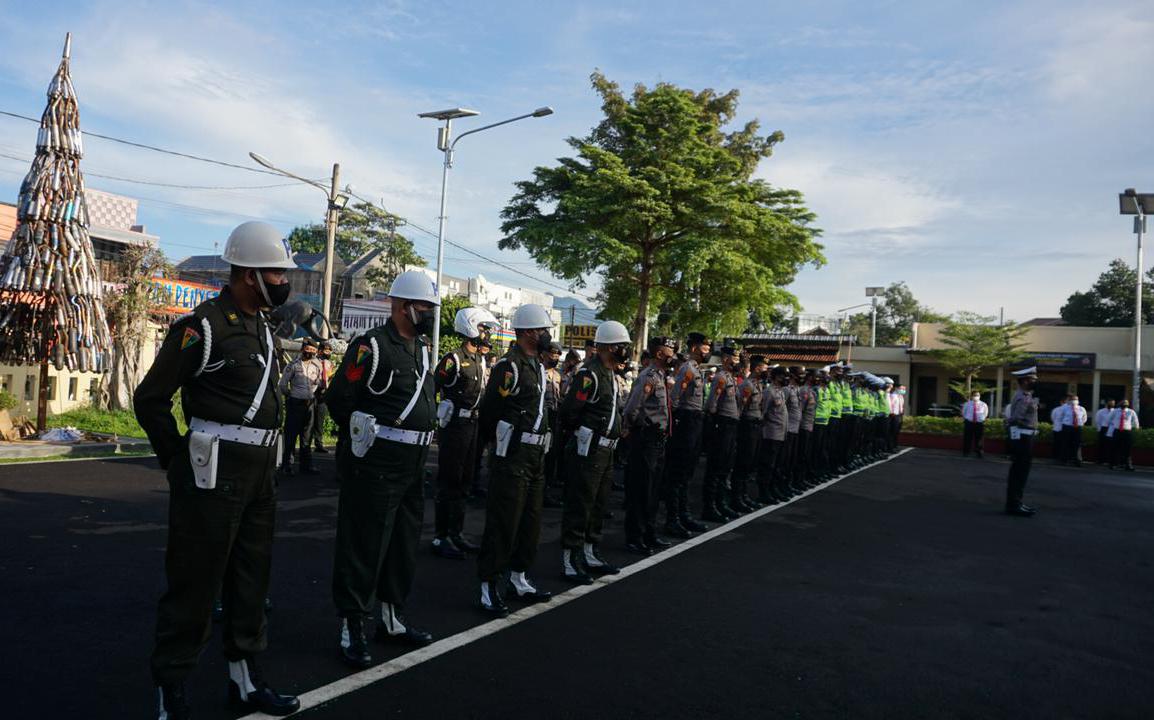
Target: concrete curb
34, 449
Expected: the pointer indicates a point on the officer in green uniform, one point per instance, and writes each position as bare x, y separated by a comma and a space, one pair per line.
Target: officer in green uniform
382, 398
222, 499
460, 378
591, 414
515, 418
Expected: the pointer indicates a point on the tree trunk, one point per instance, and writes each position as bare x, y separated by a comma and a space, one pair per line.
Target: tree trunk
640, 330
969, 385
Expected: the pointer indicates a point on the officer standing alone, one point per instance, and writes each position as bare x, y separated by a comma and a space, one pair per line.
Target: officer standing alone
382, 398
299, 385
1023, 422
222, 494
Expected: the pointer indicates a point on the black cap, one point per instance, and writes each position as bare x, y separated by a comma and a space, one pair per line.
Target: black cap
696, 338
555, 346
660, 341
308, 342
757, 359
589, 343
728, 350
776, 370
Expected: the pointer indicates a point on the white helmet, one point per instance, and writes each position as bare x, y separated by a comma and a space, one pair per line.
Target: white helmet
415, 285
611, 332
531, 317
468, 321
258, 245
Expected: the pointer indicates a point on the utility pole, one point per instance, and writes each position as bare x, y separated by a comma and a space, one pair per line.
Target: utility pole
330, 247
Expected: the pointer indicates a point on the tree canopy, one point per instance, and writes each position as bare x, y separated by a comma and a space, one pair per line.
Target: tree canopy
1110, 301
362, 227
973, 343
898, 310
661, 203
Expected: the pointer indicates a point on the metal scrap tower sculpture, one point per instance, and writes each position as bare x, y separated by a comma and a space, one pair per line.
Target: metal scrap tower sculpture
51, 299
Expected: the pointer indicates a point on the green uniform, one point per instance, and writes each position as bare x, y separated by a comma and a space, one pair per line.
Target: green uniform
591, 402
514, 394
381, 504
219, 539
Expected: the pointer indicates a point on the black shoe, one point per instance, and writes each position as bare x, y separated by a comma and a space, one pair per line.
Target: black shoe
608, 515
496, 605
286, 470
321, 449
638, 548
263, 699
599, 565
464, 545
173, 704
692, 525
552, 502
411, 636
676, 530
536, 595
356, 651
658, 544
1020, 510
729, 513
443, 547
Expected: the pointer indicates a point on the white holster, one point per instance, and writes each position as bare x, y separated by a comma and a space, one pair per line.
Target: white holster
548, 443
203, 454
362, 432
444, 413
584, 437
504, 435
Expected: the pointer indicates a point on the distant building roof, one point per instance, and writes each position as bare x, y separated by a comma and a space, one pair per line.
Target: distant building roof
356, 266
308, 260
1050, 322
202, 263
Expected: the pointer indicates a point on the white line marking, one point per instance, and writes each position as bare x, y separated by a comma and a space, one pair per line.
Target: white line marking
63, 459
364, 678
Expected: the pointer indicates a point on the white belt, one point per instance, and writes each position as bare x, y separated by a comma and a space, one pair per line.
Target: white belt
236, 433
467, 413
407, 437
529, 438
1024, 431
606, 442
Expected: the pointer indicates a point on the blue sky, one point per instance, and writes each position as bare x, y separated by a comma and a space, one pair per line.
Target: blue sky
971, 149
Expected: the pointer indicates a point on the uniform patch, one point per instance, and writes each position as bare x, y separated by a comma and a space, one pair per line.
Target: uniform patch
507, 383
586, 386
191, 337
232, 317
363, 351
648, 389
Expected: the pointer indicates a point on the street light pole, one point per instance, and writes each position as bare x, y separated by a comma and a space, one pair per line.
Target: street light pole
337, 202
446, 144
874, 321
1139, 205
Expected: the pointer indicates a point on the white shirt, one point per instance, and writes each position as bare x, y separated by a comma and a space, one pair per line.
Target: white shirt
1074, 415
975, 411
1122, 419
1057, 415
897, 403
1102, 418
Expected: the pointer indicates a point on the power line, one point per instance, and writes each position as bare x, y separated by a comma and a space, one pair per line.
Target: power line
153, 148
167, 185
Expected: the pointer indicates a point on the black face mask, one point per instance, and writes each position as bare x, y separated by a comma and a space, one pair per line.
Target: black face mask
543, 341
621, 353
422, 319
274, 295
550, 363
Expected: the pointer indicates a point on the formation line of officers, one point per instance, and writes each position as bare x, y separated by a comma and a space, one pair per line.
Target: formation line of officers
769, 433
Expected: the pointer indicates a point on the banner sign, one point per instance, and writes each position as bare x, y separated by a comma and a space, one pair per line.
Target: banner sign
1059, 361
576, 335
181, 296
360, 316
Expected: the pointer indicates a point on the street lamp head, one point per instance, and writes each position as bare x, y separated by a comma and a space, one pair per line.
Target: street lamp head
875, 291
450, 114
1135, 203
341, 201
543, 111
260, 160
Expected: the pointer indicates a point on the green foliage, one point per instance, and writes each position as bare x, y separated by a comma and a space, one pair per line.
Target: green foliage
995, 428
660, 201
961, 388
974, 343
7, 400
450, 341
113, 422
363, 227
1110, 301
898, 310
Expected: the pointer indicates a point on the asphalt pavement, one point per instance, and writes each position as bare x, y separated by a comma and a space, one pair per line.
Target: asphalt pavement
899, 592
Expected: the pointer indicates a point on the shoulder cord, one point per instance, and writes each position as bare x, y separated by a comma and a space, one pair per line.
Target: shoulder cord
206, 328
373, 370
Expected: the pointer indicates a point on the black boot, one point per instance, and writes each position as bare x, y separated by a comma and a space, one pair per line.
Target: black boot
572, 567
354, 646
491, 601
172, 703
443, 547
690, 524
394, 629
247, 689
674, 529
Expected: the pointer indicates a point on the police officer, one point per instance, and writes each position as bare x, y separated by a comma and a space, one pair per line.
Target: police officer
320, 410
591, 414
793, 429
460, 379
299, 384
803, 475
515, 419
724, 411
554, 483
748, 435
382, 398
649, 419
1023, 422
688, 399
775, 419
222, 499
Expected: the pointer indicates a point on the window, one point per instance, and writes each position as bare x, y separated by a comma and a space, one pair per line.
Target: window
6, 383
29, 388
93, 389
51, 388
72, 385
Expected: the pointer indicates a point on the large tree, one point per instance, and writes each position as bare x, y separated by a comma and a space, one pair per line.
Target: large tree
661, 203
363, 227
1110, 301
974, 342
898, 310
128, 309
